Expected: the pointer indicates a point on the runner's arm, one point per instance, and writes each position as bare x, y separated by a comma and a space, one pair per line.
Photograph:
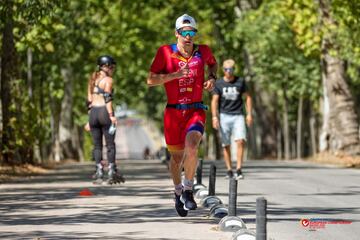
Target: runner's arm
155, 79
248, 105
89, 99
215, 105
214, 110
108, 89
159, 79
212, 69
209, 84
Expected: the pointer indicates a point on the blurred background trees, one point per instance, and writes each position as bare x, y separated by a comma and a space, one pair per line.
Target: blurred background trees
301, 59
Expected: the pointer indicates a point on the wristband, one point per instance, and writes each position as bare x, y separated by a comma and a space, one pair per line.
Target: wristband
212, 76
111, 114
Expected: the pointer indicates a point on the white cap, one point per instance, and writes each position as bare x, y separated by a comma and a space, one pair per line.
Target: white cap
189, 22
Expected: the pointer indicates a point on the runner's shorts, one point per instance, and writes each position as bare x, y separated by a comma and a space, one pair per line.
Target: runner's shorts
232, 124
177, 123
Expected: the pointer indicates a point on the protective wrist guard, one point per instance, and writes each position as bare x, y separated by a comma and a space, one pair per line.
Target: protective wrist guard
88, 104
108, 97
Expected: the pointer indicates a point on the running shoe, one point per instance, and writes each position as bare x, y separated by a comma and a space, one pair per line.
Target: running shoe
179, 206
187, 198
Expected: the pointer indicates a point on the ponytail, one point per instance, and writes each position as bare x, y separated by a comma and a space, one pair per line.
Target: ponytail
92, 79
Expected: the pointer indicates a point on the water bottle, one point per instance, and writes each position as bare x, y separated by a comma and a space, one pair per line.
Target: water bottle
112, 129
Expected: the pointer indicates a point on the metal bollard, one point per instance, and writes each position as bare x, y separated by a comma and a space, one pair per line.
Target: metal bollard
232, 223
232, 197
199, 172
261, 205
212, 179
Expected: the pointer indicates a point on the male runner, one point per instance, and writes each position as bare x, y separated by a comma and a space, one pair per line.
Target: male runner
180, 67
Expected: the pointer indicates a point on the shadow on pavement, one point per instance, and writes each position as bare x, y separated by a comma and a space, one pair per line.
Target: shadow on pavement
19, 203
54, 235
278, 214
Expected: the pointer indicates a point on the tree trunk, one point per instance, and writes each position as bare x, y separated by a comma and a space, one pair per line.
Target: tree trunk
218, 147
77, 143
343, 126
254, 140
313, 132
29, 72
1, 128
324, 135
265, 119
42, 146
341, 132
299, 134
292, 148
66, 117
36, 146
262, 140
279, 145
8, 74
286, 127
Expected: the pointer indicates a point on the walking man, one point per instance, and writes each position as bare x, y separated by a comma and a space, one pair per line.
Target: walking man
228, 114
180, 67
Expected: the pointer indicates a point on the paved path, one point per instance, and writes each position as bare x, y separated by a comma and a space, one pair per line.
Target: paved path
49, 206
298, 190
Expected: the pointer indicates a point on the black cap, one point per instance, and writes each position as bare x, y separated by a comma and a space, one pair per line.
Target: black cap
106, 60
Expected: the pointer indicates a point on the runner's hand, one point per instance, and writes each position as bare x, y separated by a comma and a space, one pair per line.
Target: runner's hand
249, 120
87, 127
113, 120
184, 72
215, 123
209, 84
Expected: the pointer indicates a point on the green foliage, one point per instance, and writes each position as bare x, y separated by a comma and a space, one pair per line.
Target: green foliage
344, 30
279, 63
283, 38
305, 24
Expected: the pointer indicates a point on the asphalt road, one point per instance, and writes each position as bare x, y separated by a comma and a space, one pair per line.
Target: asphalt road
329, 197
50, 207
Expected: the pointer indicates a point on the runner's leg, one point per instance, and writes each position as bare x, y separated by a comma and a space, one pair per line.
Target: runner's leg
176, 163
192, 142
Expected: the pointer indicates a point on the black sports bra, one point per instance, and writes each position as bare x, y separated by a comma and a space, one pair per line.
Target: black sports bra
99, 90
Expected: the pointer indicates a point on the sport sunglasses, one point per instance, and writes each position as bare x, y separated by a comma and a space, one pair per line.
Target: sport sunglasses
228, 69
184, 33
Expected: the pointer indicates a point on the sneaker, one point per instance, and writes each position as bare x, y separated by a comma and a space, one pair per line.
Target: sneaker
187, 198
179, 206
229, 174
239, 174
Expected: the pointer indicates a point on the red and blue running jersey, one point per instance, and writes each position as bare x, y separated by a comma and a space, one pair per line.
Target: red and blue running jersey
183, 90
177, 123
